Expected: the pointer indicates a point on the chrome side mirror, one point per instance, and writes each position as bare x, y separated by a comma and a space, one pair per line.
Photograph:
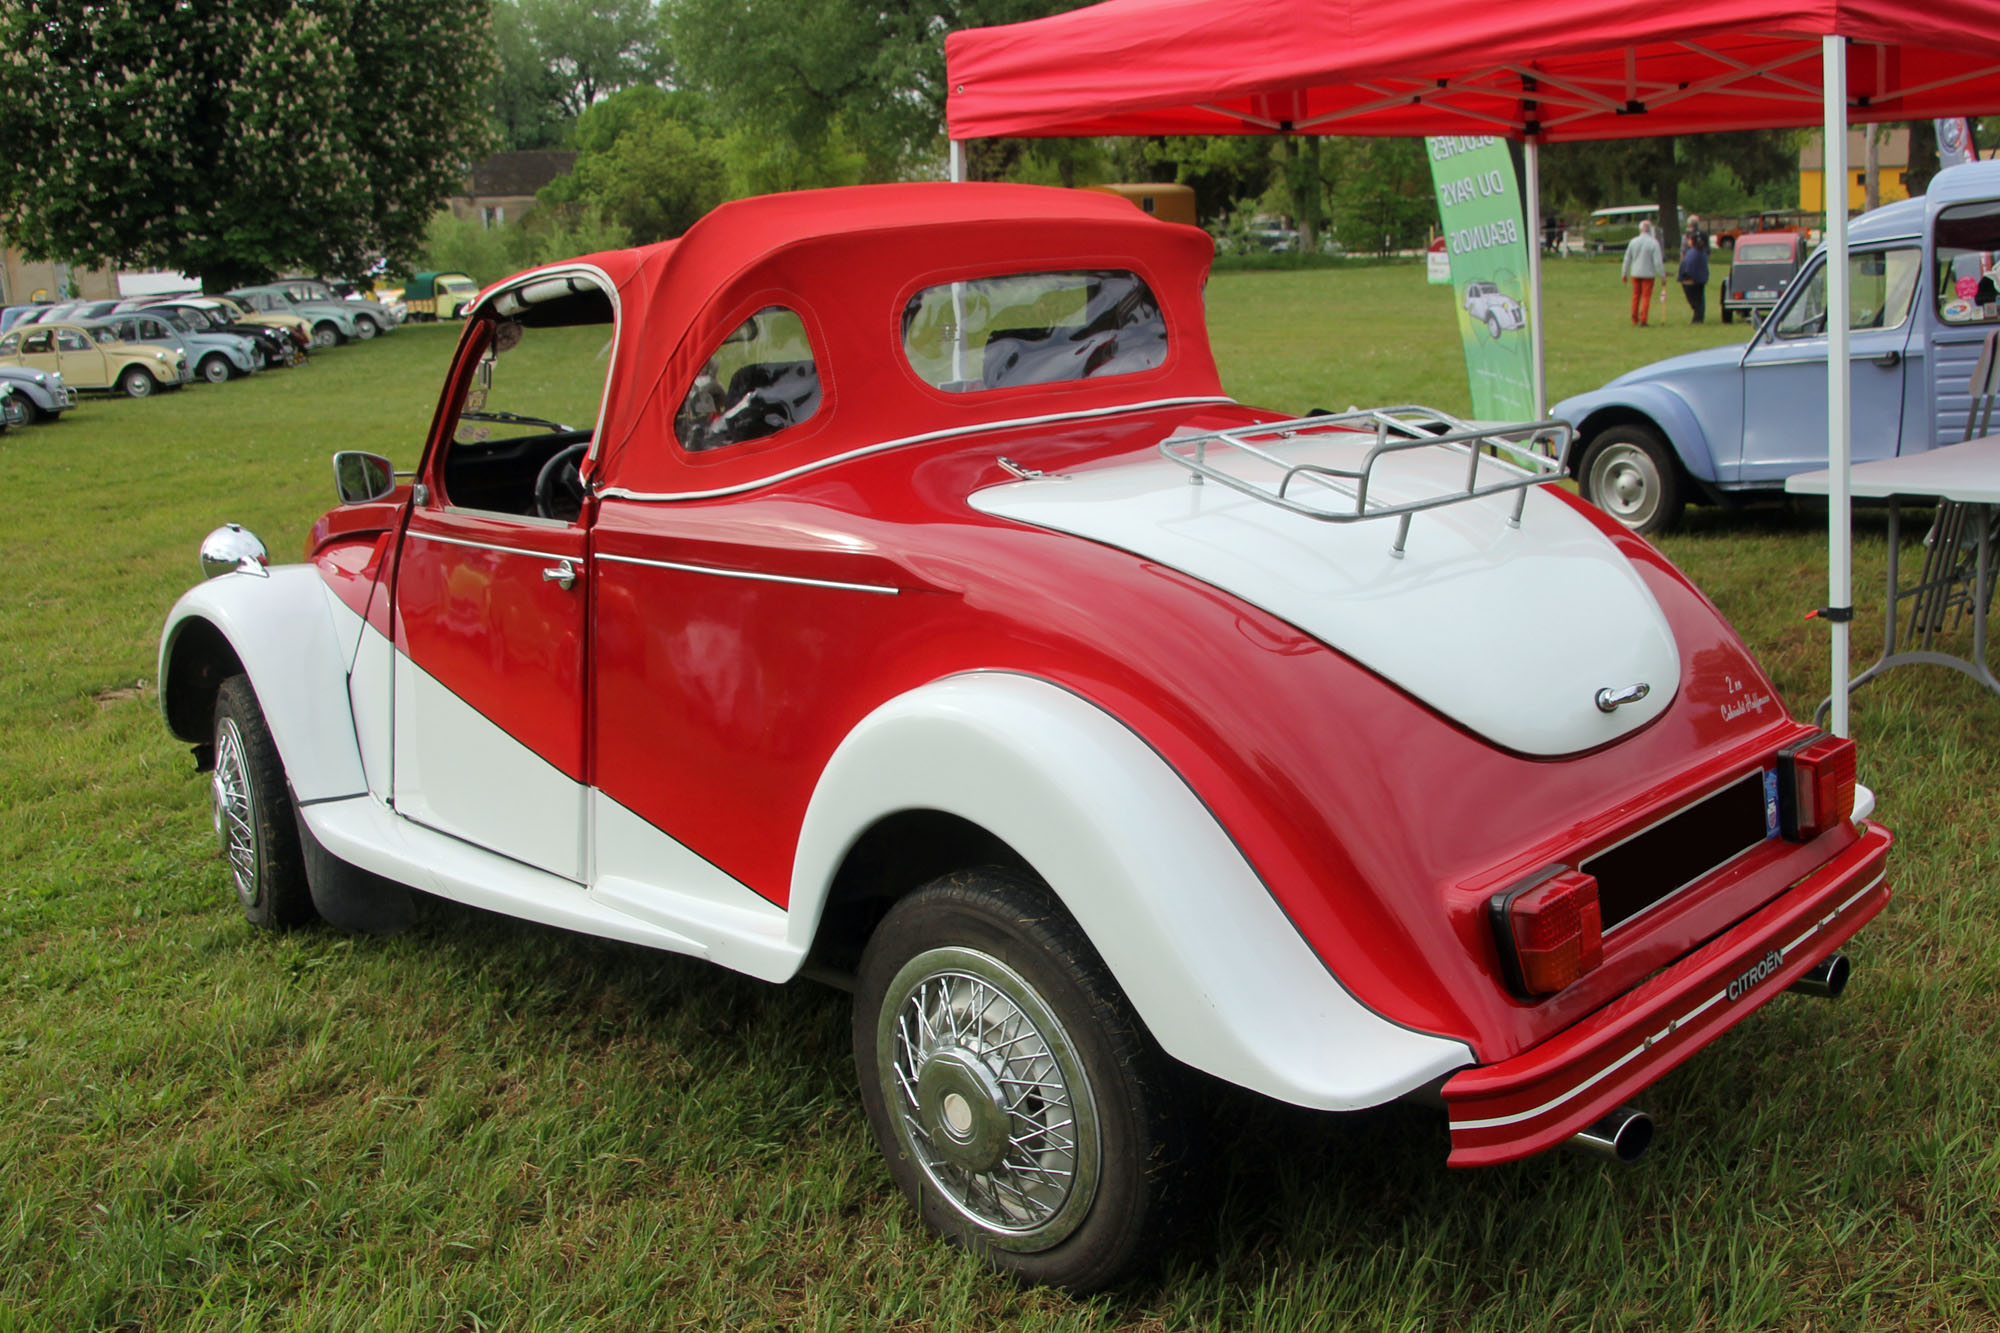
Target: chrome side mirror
232, 548
362, 477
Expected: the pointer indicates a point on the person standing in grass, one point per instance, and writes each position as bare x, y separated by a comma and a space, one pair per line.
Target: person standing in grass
1642, 268
1694, 277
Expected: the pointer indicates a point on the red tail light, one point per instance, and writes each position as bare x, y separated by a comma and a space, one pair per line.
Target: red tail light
1815, 786
1550, 930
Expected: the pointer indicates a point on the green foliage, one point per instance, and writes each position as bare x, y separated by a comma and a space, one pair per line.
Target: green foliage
755, 163
1381, 195
235, 138
790, 69
655, 180
524, 98
454, 244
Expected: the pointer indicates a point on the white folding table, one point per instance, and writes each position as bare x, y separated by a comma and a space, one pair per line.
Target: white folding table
1963, 480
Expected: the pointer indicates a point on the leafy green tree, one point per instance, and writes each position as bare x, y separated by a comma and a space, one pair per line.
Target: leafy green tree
592, 47
790, 69
1381, 197
234, 138
655, 180
1583, 176
524, 98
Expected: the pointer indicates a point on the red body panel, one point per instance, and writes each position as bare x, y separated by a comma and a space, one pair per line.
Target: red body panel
473, 609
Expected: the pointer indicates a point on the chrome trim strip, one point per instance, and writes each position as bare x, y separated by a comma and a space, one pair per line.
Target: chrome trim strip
1672, 1027
749, 574
491, 546
984, 428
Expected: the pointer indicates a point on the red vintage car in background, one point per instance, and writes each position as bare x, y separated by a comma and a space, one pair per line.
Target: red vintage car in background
879, 580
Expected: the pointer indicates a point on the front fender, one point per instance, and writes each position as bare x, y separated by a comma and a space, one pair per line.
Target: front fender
282, 632
1670, 413
1212, 965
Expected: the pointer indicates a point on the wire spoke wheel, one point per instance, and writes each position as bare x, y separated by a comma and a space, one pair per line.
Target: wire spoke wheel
990, 1098
236, 812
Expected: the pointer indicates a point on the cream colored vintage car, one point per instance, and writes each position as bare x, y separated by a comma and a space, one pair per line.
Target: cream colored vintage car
92, 359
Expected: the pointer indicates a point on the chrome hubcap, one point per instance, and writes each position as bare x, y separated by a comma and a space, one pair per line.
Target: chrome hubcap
989, 1098
235, 811
1625, 485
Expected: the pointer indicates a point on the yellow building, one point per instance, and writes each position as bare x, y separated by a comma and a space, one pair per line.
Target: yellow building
1892, 155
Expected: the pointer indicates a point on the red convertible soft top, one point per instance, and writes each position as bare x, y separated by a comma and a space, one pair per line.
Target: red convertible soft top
847, 261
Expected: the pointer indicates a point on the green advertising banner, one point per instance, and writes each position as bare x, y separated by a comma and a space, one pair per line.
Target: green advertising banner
1480, 202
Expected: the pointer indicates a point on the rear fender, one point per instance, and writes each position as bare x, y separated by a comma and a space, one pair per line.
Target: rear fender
1195, 940
282, 632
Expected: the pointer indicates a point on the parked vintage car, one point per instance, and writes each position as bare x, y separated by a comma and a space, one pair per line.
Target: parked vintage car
94, 359
1730, 423
434, 295
878, 582
279, 345
216, 357
370, 317
1488, 305
39, 395
332, 322
1764, 265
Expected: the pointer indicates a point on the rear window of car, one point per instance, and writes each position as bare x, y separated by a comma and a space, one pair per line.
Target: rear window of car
1033, 328
1764, 252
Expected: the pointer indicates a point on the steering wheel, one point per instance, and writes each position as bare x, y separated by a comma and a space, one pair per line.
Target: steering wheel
559, 485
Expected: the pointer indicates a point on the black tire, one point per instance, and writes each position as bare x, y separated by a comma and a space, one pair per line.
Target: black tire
1727, 314
215, 368
327, 334
255, 821
364, 328
18, 410
136, 382
1630, 474
994, 950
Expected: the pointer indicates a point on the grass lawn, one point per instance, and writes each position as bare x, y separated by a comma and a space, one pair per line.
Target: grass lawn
486, 1125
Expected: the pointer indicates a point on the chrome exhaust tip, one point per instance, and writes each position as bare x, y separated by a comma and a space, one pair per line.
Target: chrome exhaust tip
1623, 1136
1826, 980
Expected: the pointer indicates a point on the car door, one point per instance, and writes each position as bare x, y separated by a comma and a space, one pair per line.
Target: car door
1784, 369
80, 360
38, 350
490, 620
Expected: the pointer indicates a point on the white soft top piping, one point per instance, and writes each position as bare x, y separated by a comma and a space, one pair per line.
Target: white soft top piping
983, 428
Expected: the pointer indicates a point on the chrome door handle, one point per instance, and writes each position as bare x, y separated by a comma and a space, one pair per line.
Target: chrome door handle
562, 574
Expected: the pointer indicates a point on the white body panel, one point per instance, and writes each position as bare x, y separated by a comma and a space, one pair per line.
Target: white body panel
460, 774
1209, 960
1510, 632
284, 631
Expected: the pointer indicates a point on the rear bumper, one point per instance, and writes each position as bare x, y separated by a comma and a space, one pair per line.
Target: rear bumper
1521, 1106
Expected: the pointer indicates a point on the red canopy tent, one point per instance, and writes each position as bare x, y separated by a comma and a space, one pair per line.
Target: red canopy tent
1582, 69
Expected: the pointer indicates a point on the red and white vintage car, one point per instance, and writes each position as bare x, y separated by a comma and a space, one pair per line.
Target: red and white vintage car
878, 582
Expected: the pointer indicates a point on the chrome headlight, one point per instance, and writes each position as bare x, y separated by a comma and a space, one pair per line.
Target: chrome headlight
233, 547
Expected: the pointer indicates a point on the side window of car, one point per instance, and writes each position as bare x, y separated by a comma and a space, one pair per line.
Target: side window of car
762, 379
40, 342
68, 340
1880, 288
10, 344
1966, 287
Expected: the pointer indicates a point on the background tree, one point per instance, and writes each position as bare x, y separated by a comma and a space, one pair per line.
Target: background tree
593, 47
1763, 166
235, 138
525, 96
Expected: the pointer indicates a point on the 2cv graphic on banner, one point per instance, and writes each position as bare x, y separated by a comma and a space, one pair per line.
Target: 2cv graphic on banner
1480, 204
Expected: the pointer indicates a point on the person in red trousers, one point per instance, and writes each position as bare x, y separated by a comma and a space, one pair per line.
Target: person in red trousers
1642, 268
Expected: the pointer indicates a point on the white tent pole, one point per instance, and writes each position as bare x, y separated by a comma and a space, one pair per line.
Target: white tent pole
1531, 155
957, 160
1839, 450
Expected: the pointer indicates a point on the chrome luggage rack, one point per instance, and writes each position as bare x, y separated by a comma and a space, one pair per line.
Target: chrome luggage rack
1511, 450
